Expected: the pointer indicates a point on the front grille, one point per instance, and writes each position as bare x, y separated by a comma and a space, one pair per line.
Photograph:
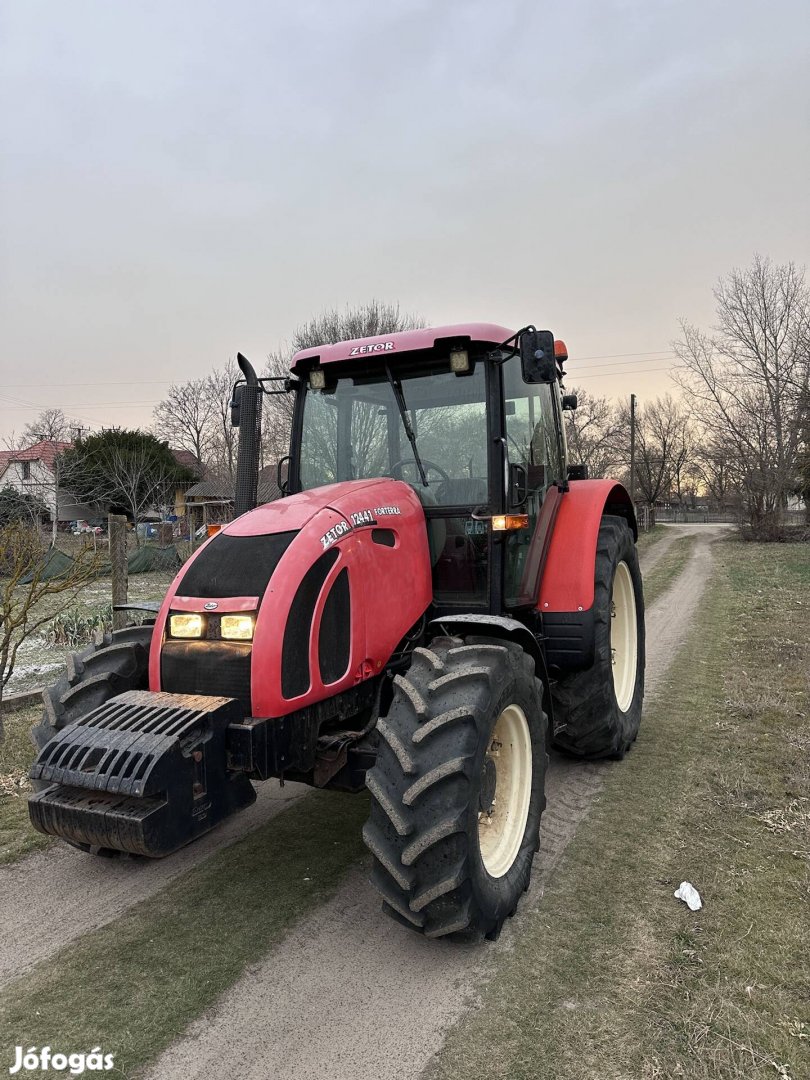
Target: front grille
235, 565
216, 668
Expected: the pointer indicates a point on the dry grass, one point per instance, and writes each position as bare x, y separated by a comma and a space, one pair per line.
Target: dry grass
40, 663
132, 987
17, 836
667, 569
650, 537
611, 978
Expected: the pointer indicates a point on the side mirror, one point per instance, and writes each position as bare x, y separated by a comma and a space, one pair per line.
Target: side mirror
569, 402
236, 405
537, 357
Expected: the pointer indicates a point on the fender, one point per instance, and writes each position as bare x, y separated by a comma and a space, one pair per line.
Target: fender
567, 586
499, 626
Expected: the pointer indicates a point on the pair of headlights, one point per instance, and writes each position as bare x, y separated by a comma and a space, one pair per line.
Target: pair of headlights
231, 627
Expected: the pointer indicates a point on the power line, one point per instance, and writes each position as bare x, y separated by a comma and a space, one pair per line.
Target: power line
573, 376
613, 356
23, 403
134, 382
633, 366
17, 403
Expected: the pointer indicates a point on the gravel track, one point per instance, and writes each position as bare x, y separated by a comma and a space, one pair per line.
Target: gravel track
54, 896
349, 993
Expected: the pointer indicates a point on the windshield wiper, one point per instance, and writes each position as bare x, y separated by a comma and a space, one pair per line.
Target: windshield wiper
403, 412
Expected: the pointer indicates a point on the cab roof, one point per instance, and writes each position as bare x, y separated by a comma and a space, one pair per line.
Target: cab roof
387, 345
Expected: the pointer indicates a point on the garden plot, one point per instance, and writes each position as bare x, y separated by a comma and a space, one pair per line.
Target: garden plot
42, 657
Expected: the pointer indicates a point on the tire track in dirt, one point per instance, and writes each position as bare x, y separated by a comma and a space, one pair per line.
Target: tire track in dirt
350, 993
651, 556
53, 897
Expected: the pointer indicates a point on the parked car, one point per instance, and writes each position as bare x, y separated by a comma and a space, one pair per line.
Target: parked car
79, 527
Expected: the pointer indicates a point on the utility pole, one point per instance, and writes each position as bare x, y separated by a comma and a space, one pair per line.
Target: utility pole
117, 532
633, 449
55, 520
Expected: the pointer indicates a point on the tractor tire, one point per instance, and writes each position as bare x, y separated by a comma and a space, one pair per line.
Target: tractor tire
465, 727
597, 712
119, 662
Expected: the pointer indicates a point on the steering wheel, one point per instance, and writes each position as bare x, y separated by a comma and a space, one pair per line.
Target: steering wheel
396, 468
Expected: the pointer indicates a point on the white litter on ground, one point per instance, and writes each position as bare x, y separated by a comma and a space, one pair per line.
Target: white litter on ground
687, 892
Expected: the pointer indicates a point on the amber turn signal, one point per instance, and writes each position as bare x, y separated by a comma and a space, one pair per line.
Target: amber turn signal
506, 522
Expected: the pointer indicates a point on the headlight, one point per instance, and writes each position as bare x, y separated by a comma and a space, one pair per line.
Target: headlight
236, 627
186, 626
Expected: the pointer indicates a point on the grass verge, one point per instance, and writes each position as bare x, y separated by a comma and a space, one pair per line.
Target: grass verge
651, 536
667, 569
134, 985
17, 835
611, 977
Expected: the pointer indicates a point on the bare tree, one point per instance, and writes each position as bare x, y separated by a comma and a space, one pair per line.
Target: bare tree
665, 448
221, 460
749, 380
51, 424
329, 327
718, 470
278, 408
29, 598
13, 441
184, 417
595, 434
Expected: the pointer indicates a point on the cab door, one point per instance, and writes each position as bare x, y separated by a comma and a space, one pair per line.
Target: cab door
535, 445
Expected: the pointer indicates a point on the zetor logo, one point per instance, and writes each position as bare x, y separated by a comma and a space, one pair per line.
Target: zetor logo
335, 533
34, 1060
381, 346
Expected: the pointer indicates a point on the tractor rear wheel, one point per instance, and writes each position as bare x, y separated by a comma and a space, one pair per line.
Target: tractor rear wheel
597, 712
119, 662
458, 789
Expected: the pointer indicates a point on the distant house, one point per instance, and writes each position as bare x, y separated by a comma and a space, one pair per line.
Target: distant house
35, 472
195, 466
212, 500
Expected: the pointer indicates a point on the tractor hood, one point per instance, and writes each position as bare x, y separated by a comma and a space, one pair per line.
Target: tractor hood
333, 579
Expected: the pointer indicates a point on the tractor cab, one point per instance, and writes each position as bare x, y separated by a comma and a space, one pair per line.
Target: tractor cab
471, 417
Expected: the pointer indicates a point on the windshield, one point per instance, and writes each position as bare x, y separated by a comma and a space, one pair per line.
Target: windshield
354, 430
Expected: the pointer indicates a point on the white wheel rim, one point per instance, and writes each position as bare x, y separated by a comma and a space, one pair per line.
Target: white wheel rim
501, 829
623, 643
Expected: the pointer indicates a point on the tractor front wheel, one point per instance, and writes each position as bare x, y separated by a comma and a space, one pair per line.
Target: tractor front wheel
119, 662
458, 789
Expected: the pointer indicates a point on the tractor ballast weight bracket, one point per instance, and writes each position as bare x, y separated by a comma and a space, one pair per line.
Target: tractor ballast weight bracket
144, 773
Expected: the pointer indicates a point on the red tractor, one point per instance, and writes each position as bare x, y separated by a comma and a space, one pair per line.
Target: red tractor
437, 598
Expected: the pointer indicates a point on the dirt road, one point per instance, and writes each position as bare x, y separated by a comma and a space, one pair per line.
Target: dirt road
350, 993
64, 893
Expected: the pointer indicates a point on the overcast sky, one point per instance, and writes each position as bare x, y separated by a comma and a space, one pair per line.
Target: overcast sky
181, 179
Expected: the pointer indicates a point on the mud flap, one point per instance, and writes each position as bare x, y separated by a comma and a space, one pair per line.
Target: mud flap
144, 773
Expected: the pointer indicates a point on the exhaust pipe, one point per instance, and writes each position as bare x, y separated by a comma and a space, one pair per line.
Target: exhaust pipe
246, 414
